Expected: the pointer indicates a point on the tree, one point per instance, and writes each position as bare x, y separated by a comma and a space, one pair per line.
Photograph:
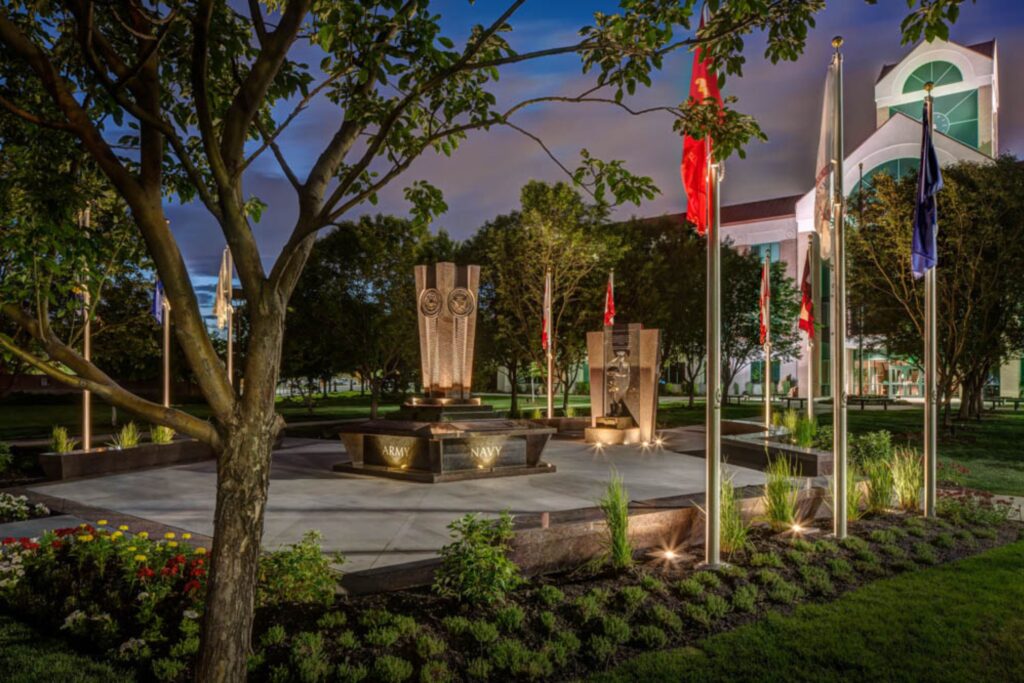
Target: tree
981, 254
205, 89
741, 288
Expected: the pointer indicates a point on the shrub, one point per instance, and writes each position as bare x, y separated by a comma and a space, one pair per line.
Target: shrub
601, 649
893, 551
823, 439
350, 673
883, 536
308, 657
475, 568
825, 547
971, 509
479, 669
632, 597
6, 457
548, 622
483, 631
708, 579
904, 564
797, 558
817, 580
347, 640
274, 635
871, 446
435, 672
510, 619
784, 592
456, 625
840, 568
744, 598
391, 669
690, 587
16, 508
767, 577
568, 642
60, 442
802, 545
128, 437
734, 529
765, 560
733, 571
161, 435
716, 606
908, 478
382, 636
667, 618
550, 596
854, 543
591, 605
616, 628
925, 553
650, 637
300, 573
514, 657
780, 492
944, 540
697, 613
615, 505
652, 584
332, 620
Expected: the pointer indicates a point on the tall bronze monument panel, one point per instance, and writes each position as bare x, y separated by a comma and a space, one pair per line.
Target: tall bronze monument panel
625, 363
447, 298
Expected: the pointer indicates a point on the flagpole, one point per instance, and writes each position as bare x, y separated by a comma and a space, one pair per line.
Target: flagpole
230, 312
551, 345
713, 403
839, 307
167, 350
767, 267
930, 362
811, 351
86, 347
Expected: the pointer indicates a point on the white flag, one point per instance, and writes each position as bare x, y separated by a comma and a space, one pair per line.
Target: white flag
823, 169
222, 299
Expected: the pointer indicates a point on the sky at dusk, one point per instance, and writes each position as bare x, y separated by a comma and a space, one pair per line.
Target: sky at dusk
483, 178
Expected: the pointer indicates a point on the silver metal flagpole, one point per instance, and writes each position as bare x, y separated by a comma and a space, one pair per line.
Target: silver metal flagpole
86, 346
931, 412
551, 344
713, 408
167, 350
231, 325
768, 345
839, 306
811, 351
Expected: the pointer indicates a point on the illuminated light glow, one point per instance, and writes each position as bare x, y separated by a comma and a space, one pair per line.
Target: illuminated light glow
659, 442
485, 456
669, 554
396, 456
797, 528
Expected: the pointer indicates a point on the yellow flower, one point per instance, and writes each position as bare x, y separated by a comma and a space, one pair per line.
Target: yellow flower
172, 544
200, 550
143, 535
131, 549
102, 522
186, 536
116, 534
82, 525
169, 534
140, 558
85, 538
123, 527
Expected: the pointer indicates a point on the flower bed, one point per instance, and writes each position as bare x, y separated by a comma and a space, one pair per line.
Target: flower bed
79, 463
17, 508
139, 601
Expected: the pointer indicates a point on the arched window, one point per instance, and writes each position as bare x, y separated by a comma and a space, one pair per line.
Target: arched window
939, 73
897, 168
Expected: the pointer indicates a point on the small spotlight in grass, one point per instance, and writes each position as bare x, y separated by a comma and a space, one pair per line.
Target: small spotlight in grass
797, 528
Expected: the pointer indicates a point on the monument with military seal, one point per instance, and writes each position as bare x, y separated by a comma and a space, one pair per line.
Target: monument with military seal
447, 434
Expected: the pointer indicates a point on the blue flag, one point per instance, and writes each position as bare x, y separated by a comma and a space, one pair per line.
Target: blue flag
157, 309
924, 248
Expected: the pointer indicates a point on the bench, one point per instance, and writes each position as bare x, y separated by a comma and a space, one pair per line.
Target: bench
865, 401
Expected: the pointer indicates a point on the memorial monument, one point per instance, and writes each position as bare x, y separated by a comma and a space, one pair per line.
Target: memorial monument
625, 363
446, 434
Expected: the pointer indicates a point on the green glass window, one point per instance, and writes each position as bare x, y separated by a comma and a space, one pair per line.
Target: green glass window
896, 168
757, 371
770, 248
939, 73
954, 115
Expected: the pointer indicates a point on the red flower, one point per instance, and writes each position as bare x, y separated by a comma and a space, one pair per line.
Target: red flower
65, 532
198, 571
190, 586
9, 540
28, 544
144, 573
56, 545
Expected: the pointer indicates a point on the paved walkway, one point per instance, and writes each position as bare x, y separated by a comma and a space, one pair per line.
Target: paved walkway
377, 522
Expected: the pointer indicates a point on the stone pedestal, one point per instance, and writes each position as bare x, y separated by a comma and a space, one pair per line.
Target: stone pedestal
625, 364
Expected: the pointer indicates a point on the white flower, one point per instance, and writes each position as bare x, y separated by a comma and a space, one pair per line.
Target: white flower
191, 614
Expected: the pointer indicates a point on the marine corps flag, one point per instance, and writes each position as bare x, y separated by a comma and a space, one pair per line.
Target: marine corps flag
609, 300
807, 299
765, 301
697, 153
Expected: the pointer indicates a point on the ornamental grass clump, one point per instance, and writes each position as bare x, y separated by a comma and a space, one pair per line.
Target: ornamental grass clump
880, 484
60, 442
615, 506
128, 437
475, 567
854, 495
908, 477
780, 493
734, 528
161, 435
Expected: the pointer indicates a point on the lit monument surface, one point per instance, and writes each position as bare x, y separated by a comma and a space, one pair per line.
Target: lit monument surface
446, 434
625, 362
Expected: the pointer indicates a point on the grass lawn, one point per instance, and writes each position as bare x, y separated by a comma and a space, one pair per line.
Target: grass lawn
959, 622
28, 657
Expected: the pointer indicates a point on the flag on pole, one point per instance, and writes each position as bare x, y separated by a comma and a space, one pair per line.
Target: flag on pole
766, 294
807, 300
545, 332
823, 170
924, 250
157, 308
697, 153
609, 300
222, 299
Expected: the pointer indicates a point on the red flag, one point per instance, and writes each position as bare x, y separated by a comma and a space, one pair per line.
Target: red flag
609, 301
703, 85
545, 332
766, 295
807, 300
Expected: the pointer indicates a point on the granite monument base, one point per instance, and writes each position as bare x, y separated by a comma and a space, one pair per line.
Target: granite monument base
442, 451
